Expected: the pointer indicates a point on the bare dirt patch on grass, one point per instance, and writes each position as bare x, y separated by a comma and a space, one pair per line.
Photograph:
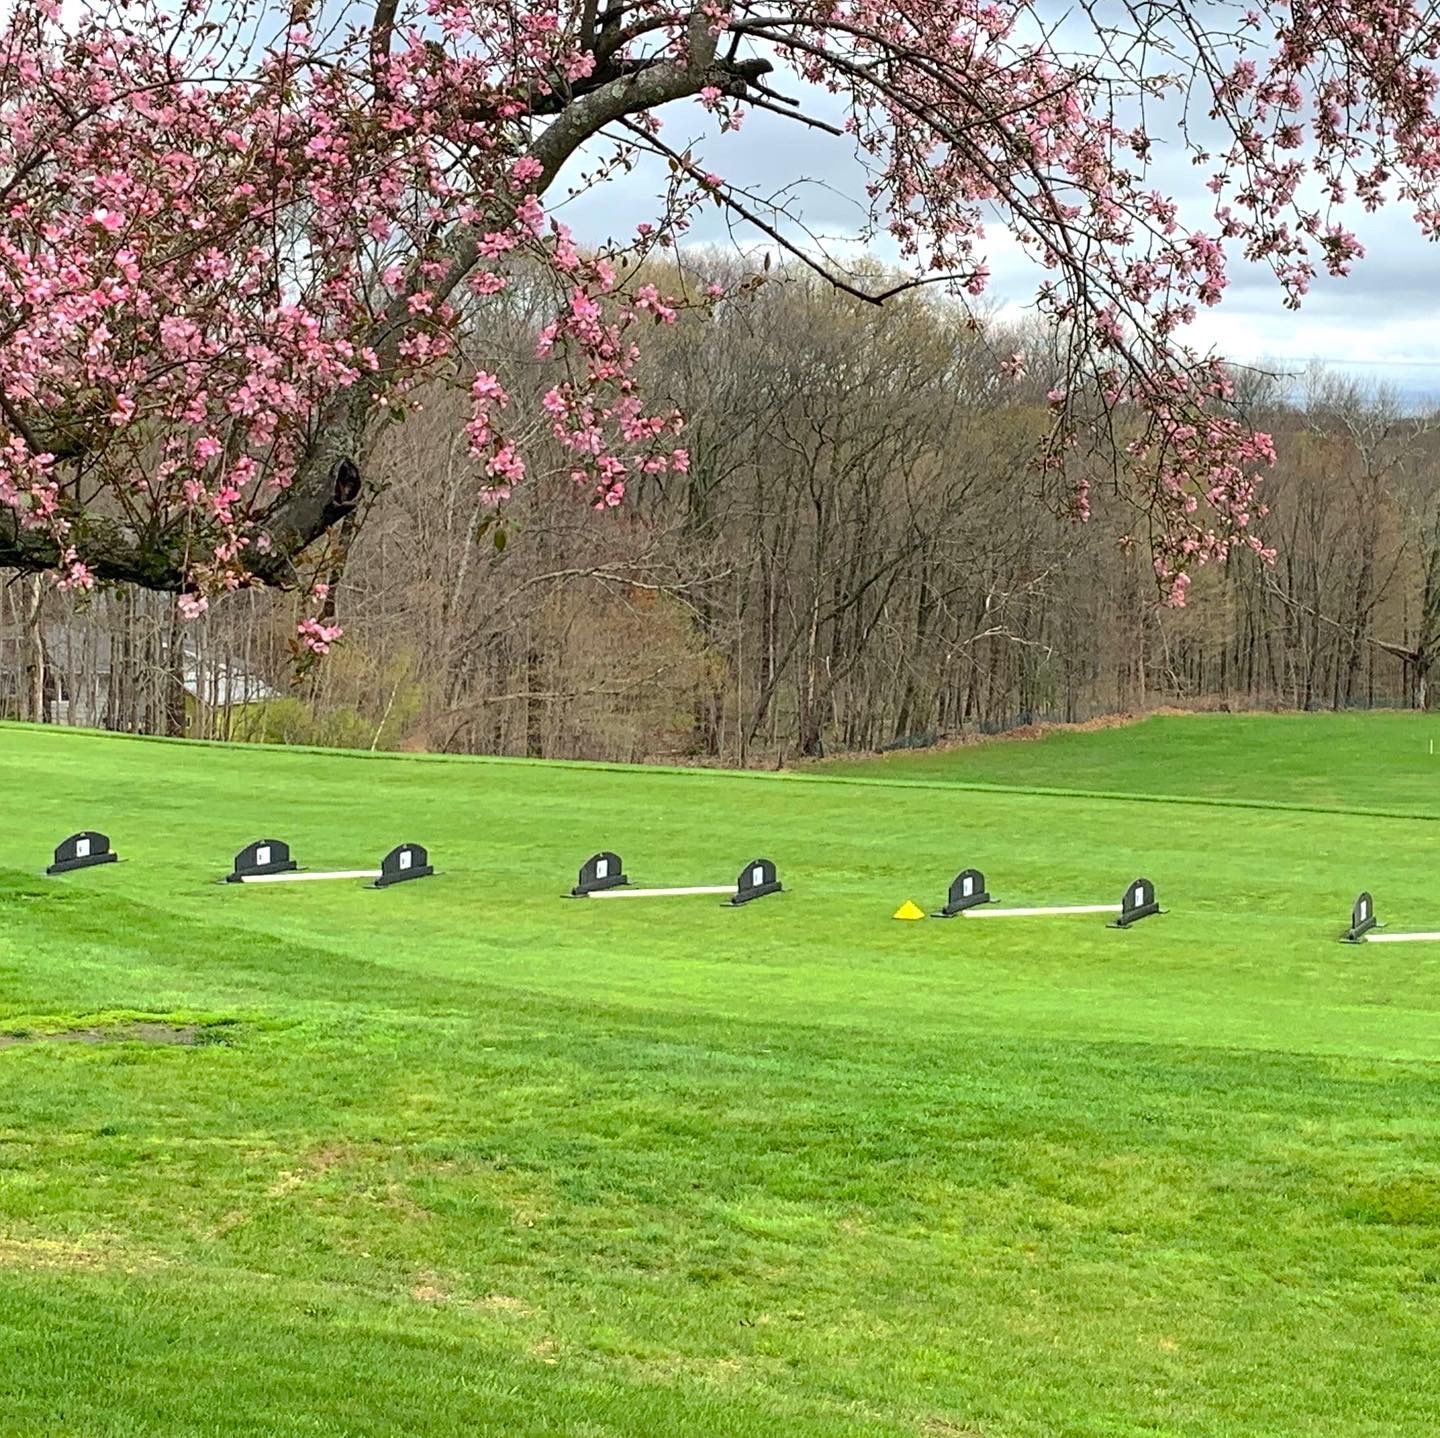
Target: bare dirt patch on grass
313, 1165
947, 1428
92, 1254
119, 1026
144, 1033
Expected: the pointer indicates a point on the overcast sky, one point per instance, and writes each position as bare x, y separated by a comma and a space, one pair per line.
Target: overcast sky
1382, 324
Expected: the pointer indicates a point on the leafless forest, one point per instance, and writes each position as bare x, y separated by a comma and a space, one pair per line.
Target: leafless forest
858, 558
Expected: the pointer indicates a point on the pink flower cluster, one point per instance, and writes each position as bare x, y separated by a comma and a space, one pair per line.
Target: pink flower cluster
318, 637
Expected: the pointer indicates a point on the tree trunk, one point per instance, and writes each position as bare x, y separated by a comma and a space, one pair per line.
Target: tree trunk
534, 708
35, 708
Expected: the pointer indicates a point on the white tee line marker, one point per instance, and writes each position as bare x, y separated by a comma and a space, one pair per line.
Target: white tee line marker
296, 878
1373, 938
661, 893
986, 912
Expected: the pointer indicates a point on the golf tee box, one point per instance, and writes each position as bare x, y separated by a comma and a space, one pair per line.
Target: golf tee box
268, 861
1138, 902
602, 876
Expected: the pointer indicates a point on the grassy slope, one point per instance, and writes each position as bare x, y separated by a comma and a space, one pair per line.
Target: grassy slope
474, 1160
1345, 761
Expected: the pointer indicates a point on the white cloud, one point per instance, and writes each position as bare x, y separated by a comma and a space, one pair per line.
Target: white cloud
1382, 323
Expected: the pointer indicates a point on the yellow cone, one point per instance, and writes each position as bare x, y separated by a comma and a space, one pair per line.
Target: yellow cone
909, 910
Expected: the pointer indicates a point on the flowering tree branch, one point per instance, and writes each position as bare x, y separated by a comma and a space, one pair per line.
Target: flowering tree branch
223, 258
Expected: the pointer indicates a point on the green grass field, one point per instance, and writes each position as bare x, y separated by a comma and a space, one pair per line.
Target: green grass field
1380, 762
464, 1158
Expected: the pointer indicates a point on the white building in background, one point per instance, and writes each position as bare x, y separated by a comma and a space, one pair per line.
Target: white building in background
89, 685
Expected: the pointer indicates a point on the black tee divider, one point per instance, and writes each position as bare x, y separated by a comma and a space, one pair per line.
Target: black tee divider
1138, 903
599, 872
1362, 920
757, 879
264, 856
967, 891
403, 863
82, 851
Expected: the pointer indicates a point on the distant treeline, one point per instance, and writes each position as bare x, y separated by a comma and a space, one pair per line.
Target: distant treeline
859, 557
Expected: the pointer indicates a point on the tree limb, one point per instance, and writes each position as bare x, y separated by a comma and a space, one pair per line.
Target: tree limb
306, 510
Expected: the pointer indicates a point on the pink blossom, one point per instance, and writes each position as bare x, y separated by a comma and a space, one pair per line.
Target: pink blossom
316, 636
486, 387
74, 572
506, 465
647, 298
